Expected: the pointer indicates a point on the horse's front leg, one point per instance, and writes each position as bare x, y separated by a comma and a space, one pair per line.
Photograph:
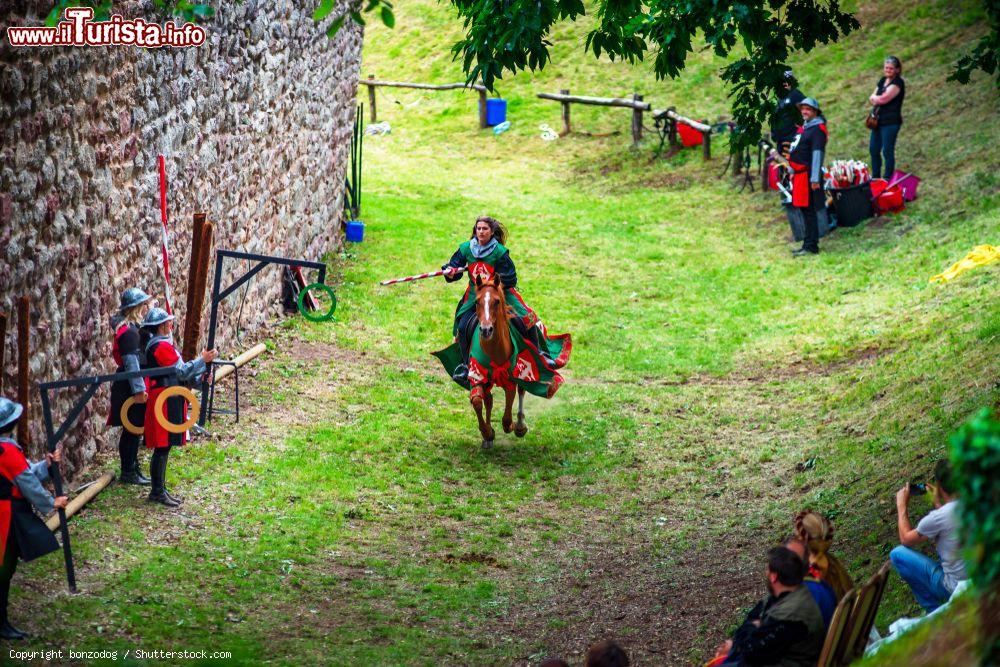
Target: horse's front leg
520, 428
508, 418
478, 397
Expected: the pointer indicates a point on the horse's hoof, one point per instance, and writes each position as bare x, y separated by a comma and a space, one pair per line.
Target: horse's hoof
487, 444
508, 427
520, 430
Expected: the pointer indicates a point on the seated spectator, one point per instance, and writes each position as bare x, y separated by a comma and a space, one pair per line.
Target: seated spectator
932, 582
822, 592
817, 532
784, 628
606, 654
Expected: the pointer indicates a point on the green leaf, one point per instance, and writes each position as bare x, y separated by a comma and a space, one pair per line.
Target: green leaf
387, 17
323, 10
335, 26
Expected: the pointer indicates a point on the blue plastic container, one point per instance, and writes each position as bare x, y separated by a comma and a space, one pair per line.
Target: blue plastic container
496, 111
355, 231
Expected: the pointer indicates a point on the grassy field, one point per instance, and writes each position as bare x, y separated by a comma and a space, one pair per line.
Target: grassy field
717, 386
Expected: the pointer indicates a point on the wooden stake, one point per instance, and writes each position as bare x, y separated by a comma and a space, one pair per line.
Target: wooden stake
3, 345
636, 119
565, 113
199, 224
201, 280
371, 98
241, 361
23, 328
482, 108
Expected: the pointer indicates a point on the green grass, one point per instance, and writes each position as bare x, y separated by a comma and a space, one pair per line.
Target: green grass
716, 385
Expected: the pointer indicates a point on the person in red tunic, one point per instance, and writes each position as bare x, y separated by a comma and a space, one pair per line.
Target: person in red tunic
125, 349
22, 533
161, 353
806, 160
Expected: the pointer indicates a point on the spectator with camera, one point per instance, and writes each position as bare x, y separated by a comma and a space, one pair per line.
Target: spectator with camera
932, 581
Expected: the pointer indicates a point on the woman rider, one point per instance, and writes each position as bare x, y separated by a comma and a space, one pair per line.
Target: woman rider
125, 349
485, 255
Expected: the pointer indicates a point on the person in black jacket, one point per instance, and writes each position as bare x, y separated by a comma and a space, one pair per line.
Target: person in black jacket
888, 99
787, 117
806, 160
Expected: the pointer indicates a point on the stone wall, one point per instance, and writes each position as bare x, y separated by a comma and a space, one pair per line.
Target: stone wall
255, 127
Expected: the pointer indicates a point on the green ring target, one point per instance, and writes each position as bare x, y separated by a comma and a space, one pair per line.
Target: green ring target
328, 315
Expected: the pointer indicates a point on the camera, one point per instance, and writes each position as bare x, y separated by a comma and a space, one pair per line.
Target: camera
918, 489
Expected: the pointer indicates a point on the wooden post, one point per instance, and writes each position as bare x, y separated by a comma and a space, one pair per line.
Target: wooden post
23, 328
706, 146
371, 99
199, 224
482, 108
636, 120
565, 113
3, 345
672, 131
198, 303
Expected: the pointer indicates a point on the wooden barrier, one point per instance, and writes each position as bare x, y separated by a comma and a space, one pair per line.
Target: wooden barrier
674, 118
372, 84
635, 104
52, 523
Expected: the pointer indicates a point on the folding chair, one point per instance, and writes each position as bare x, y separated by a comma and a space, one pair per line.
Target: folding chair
879, 579
835, 633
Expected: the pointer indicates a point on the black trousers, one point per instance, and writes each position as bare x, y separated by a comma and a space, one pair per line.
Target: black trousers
811, 237
7, 569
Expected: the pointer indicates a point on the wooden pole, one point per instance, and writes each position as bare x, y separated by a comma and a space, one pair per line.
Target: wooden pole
482, 109
565, 113
672, 131
706, 145
201, 280
23, 328
636, 119
241, 361
3, 346
371, 98
597, 101
52, 523
189, 325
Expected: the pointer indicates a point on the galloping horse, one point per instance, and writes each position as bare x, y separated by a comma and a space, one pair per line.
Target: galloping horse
495, 341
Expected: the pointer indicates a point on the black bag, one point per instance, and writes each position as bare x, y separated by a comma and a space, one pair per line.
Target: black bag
34, 538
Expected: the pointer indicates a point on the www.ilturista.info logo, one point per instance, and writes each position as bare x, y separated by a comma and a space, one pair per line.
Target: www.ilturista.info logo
79, 30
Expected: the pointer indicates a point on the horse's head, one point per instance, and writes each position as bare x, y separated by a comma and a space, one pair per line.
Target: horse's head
491, 307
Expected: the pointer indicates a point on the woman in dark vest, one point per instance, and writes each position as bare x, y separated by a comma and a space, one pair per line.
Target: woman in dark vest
888, 102
161, 353
127, 353
22, 533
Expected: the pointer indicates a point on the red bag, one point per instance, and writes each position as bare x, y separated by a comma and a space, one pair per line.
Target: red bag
689, 135
772, 176
886, 199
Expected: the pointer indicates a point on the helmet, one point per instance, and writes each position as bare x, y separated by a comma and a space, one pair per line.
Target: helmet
132, 297
809, 102
9, 412
156, 317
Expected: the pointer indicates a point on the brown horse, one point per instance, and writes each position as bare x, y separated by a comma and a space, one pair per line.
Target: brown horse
494, 338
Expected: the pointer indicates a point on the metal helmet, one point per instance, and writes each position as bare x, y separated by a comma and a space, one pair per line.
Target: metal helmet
809, 102
132, 297
156, 317
10, 412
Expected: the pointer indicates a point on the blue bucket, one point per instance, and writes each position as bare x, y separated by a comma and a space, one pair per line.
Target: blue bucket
355, 231
496, 111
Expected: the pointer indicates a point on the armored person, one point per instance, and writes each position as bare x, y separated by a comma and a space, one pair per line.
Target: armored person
127, 354
806, 160
161, 353
22, 533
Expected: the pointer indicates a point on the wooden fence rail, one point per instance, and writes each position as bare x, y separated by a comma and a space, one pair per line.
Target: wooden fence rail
634, 103
674, 118
372, 84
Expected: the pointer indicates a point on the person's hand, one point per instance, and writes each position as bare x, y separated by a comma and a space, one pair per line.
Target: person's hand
60, 502
935, 495
873, 99
756, 622
903, 497
814, 186
449, 272
208, 356
724, 648
54, 457
140, 397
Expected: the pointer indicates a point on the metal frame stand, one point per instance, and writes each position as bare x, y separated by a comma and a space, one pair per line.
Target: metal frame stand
211, 391
53, 436
219, 294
